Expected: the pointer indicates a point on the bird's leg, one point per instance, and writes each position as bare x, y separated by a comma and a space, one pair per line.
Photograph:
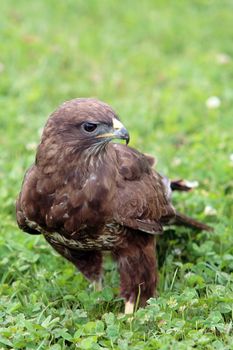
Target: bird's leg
90, 264
129, 307
137, 267
87, 262
97, 285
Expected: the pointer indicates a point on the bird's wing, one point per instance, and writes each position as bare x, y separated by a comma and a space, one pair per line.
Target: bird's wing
137, 198
28, 211
142, 199
22, 221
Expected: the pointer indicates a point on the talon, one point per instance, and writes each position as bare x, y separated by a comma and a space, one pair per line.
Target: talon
97, 285
129, 308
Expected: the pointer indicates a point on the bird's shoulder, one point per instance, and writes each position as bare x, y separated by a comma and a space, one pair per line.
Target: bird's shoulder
142, 199
132, 164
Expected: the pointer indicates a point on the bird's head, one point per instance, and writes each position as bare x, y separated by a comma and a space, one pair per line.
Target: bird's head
84, 123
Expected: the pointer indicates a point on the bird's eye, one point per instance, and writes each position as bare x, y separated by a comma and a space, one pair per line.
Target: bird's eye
89, 127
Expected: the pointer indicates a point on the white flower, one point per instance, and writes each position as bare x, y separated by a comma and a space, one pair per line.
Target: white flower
176, 161
176, 251
1, 67
213, 102
31, 146
182, 308
189, 274
231, 157
172, 303
223, 58
209, 210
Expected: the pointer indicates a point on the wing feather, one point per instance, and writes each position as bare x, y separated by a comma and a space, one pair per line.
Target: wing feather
142, 201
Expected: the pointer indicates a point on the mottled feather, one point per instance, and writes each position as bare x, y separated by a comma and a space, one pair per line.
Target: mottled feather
87, 195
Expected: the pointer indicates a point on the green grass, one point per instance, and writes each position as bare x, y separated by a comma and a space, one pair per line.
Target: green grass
156, 63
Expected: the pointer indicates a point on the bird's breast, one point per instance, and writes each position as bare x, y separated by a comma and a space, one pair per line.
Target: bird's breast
106, 237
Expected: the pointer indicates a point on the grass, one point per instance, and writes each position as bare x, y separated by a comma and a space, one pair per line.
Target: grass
156, 63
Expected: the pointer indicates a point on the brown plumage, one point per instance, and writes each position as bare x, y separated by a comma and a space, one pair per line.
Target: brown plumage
87, 195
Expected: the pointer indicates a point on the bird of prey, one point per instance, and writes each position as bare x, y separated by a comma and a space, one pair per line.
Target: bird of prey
88, 195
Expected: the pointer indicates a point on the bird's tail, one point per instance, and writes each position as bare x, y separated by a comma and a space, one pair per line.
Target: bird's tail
184, 220
183, 185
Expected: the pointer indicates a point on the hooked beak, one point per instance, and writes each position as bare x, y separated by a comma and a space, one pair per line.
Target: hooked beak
118, 131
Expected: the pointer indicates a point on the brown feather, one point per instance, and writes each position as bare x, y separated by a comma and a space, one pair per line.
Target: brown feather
86, 195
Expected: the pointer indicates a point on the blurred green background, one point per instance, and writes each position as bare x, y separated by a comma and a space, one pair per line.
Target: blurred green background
166, 67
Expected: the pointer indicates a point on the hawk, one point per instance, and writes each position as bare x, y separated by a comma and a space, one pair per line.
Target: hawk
88, 195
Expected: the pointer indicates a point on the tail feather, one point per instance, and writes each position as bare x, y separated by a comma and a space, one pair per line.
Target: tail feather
183, 185
184, 220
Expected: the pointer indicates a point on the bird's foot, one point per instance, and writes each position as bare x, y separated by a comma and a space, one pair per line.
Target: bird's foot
129, 307
97, 285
